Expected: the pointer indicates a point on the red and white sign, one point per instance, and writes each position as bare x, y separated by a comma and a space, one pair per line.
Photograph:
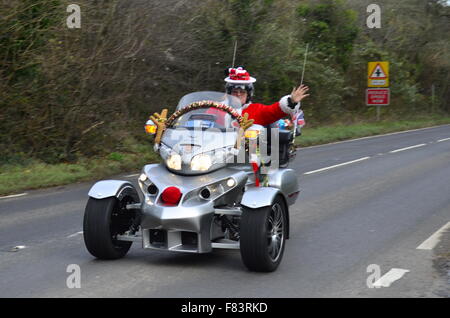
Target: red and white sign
377, 96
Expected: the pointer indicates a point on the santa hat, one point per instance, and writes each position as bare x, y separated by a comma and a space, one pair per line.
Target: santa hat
239, 76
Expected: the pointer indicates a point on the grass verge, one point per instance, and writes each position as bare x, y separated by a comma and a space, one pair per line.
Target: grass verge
14, 179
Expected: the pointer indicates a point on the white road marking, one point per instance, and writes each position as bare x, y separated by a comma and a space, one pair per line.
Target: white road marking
17, 248
407, 148
14, 196
445, 139
434, 239
75, 234
339, 165
132, 175
387, 279
375, 136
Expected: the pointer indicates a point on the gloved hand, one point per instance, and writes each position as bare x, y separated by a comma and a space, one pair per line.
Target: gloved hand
297, 95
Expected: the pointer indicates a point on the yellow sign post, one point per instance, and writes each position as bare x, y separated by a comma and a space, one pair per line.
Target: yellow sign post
378, 74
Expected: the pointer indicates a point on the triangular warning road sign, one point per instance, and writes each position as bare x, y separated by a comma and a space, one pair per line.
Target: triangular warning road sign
378, 72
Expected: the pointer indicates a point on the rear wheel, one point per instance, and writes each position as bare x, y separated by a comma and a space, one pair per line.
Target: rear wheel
263, 235
104, 219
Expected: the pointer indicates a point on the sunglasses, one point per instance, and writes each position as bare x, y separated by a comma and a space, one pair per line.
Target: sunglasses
238, 91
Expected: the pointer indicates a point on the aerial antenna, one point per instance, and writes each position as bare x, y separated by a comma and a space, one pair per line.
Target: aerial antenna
304, 64
295, 116
234, 54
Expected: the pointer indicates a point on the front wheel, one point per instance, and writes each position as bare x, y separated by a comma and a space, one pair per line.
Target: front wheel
263, 236
104, 219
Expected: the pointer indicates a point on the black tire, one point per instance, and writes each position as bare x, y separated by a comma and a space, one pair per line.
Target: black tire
284, 156
103, 220
257, 236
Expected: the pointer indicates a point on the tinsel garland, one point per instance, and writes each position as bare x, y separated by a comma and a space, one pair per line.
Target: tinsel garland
205, 104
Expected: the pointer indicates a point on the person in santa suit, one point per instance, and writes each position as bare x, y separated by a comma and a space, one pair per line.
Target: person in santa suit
239, 83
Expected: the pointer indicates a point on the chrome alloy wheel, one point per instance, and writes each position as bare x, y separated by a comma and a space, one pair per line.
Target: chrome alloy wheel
275, 232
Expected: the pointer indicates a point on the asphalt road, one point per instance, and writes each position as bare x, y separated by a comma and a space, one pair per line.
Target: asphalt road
366, 227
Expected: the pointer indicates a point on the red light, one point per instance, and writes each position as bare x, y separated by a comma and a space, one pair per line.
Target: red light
171, 196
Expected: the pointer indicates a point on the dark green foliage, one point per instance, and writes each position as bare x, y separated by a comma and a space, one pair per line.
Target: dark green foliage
66, 94
331, 28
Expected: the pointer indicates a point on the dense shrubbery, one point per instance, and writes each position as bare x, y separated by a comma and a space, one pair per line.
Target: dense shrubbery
70, 93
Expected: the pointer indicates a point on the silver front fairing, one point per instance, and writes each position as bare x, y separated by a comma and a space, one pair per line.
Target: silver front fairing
189, 143
193, 214
207, 132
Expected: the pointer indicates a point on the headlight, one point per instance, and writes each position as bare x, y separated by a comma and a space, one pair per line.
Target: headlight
231, 183
174, 162
201, 162
143, 177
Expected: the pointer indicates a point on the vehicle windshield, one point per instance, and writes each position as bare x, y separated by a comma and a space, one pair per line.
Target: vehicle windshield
206, 118
219, 97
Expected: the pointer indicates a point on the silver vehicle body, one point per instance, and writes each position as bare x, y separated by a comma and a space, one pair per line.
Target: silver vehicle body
190, 226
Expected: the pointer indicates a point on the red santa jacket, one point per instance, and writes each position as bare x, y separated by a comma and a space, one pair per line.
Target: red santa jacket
266, 114
263, 115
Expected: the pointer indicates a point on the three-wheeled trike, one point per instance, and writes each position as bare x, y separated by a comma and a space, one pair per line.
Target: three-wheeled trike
215, 188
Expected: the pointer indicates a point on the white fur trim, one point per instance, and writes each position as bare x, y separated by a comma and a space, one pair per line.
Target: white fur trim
244, 107
284, 106
228, 80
